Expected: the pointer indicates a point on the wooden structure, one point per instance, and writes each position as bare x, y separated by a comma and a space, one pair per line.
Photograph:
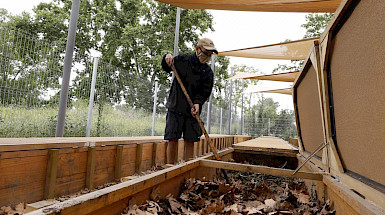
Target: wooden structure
113, 199
337, 101
267, 151
34, 169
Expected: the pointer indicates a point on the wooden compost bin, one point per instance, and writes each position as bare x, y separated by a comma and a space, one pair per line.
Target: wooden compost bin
34, 169
112, 200
350, 90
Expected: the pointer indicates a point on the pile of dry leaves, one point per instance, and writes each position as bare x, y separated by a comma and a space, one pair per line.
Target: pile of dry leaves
246, 194
7, 210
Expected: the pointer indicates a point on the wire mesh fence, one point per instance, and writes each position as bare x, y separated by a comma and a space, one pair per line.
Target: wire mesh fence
30, 78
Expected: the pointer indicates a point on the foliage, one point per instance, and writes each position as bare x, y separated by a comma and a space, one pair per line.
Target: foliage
222, 96
316, 24
132, 35
264, 119
115, 121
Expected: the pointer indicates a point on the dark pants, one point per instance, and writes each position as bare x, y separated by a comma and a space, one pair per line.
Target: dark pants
178, 123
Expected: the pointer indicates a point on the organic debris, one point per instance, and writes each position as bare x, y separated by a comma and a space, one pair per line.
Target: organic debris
246, 194
19, 209
86, 190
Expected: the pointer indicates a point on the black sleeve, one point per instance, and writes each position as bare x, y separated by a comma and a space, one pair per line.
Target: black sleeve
206, 89
165, 67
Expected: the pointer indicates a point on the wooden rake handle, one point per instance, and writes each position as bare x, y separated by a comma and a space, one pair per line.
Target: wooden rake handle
196, 115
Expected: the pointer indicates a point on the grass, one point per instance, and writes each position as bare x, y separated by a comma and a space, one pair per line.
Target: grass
114, 121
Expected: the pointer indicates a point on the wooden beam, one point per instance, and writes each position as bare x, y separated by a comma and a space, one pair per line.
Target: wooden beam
260, 169
355, 201
271, 153
155, 153
93, 201
118, 162
370, 193
50, 178
139, 155
90, 168
165, 156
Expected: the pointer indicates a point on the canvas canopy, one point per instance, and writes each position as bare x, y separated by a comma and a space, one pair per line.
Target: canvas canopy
294, 50
310, 6
286, 91
286, 77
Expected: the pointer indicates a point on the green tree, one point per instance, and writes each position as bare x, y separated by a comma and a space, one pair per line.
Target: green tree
316, 24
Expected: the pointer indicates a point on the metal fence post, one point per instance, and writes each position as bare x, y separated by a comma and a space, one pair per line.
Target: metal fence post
230, 99
208, 119
220, 122
92, 96
210, 98
242, 116
154, 109
176, 36
67, 68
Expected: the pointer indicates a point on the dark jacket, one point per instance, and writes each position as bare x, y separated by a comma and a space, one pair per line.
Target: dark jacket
197, 78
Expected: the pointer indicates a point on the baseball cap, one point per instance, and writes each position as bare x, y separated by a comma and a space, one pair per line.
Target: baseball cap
207, 44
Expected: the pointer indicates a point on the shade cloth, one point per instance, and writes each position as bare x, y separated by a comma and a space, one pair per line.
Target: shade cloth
286, 77
294, 50
310, 6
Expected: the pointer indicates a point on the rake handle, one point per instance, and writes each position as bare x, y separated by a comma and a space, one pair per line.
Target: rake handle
213, 149
196, 115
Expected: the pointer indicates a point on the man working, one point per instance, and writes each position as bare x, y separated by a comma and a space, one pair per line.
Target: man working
198, 78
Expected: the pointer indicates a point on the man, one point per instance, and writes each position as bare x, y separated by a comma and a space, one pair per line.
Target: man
198, 78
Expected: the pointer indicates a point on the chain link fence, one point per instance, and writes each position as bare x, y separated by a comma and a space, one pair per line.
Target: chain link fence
30, 77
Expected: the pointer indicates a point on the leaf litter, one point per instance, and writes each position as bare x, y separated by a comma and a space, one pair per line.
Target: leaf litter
247, 193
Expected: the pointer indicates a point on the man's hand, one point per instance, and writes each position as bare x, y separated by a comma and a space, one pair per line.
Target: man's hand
169, 60
195, 109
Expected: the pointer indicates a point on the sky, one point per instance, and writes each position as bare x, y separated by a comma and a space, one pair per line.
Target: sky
235, 30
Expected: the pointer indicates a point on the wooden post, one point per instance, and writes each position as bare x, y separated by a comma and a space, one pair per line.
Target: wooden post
195, 154
216, 144
208, 148
118, 162
50, 178
155, 153
165, 156
177, 152
90, 168
139, 154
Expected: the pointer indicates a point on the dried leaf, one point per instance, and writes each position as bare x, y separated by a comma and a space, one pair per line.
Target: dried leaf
270, 203
20, 208
303, 198
253, 204
6, 210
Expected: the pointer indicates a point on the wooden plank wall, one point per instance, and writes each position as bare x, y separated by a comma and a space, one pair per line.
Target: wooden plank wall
37, 174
